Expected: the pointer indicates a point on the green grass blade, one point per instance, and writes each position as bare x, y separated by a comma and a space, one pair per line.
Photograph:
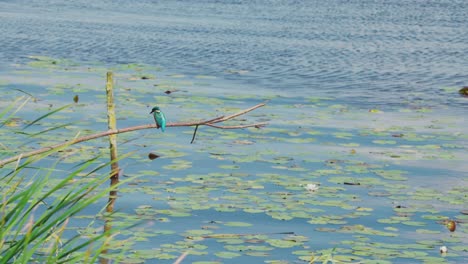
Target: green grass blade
48, 114
8, 108
44, 131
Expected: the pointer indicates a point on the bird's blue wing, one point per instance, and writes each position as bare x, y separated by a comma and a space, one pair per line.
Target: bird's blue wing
163, 122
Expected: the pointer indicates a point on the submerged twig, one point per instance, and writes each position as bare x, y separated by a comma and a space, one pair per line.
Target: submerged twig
257, 125
194, 133
243, 235
209, 122
181, 257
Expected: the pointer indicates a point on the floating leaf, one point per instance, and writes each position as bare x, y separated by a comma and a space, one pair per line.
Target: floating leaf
227, 254
237, 224
426, 231
395, 175
413, 223
385, 142
280, 243
178, 165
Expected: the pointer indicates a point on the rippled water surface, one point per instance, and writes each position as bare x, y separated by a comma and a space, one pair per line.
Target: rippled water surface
363, 51
362, 103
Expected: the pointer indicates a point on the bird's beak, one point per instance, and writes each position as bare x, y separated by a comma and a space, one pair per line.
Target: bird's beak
151, 112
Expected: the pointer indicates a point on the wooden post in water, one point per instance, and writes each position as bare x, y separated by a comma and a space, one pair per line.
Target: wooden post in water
114, 177
114, 174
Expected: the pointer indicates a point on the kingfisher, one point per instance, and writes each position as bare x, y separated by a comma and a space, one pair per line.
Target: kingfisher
159, 118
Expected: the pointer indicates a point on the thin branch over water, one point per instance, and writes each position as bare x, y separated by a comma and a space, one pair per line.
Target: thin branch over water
210, 122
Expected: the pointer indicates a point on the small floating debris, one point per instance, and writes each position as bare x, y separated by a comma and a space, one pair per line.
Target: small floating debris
351, 183
76, 98
312, 187
443, 250
153, 156
171, 91
240, 72
464, 91
142, 77
451, 225
243, 142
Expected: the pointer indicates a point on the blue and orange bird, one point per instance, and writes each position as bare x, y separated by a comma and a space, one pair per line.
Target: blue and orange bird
159, 118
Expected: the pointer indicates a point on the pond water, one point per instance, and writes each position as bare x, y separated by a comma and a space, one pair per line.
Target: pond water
386, 52
362, 102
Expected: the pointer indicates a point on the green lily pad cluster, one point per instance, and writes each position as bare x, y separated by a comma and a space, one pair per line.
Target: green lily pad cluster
324, 181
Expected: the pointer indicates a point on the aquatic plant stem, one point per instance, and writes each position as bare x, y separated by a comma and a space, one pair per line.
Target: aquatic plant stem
209, 122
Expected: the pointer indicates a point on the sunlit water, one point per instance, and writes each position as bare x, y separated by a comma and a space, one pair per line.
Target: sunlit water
391, 66
371, 52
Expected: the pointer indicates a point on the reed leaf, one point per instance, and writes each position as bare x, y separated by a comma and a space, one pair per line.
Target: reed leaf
9, 107
46, 115
28, 226
44, 131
